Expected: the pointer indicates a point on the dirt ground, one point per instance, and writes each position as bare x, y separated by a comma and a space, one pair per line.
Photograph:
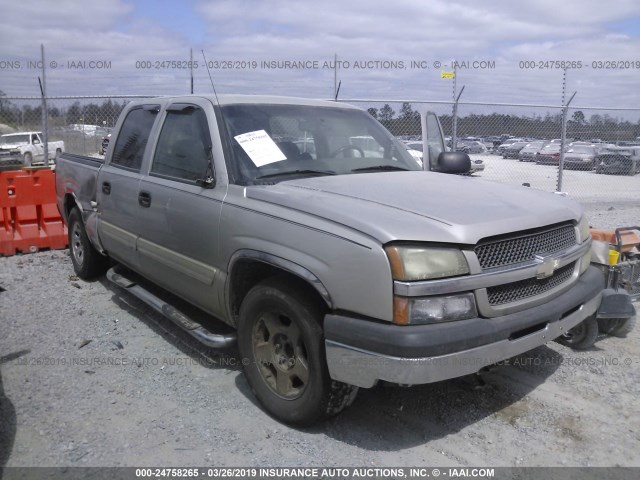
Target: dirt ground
89, 376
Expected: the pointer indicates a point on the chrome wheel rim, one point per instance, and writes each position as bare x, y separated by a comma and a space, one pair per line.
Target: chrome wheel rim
76, 244
280, 354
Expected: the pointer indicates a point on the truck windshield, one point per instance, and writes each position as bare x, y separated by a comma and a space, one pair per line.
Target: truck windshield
277, 142
14, 139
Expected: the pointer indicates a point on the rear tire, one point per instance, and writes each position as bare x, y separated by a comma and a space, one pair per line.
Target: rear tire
87, 262
281, 343
582, 336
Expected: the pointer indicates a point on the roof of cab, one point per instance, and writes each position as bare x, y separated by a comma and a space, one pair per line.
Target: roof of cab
231, 99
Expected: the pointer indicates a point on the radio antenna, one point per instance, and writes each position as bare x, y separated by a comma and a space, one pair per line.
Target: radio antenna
209, 176
210, 79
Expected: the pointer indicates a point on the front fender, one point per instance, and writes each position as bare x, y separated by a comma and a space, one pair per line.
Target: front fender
281, 263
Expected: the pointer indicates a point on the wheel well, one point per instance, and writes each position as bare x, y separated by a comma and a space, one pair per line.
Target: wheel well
247, 273
69, 204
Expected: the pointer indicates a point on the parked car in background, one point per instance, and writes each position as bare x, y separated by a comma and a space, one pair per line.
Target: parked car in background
476, 166
489, 145
29, 146
528, 153
512, 151
618, 161
471, 146
580, 156
549, 154
492, 142
415, 150
500, 148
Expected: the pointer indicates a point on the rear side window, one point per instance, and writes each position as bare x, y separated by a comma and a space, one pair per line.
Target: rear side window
133, 137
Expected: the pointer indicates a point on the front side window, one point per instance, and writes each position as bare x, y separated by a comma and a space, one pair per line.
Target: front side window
132, 139
184, 145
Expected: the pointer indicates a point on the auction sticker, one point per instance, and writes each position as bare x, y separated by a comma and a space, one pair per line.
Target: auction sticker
260, 147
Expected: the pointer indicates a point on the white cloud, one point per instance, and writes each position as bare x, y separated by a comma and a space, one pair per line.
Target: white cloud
439, 30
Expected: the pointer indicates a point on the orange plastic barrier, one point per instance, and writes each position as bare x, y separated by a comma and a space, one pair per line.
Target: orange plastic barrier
629, 238
29, 218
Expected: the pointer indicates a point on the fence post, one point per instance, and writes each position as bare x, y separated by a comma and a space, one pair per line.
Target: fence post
45, 112
454, 129
454, 112
563, 139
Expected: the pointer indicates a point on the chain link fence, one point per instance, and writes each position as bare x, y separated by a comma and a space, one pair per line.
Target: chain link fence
82, 123
598, 161
510, 144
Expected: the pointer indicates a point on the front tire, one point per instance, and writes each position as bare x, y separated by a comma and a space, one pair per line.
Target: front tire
281, 343
28, 159
87, 262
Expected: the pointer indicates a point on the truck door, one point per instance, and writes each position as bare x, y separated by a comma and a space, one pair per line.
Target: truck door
177, 214
118, 185
432, 140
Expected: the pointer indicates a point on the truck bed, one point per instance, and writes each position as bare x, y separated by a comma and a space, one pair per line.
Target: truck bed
77, 174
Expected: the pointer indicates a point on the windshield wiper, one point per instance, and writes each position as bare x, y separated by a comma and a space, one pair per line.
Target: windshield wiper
380, 168
297, 172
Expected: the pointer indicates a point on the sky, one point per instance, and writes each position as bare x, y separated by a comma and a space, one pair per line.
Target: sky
506, 51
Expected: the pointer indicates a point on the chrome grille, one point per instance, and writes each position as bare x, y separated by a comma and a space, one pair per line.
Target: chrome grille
512, 292
499, 252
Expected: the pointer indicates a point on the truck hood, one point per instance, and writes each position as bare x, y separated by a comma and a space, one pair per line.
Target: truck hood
11, 146
420, 206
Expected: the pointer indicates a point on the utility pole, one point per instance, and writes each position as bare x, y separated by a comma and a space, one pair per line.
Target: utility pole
191, 67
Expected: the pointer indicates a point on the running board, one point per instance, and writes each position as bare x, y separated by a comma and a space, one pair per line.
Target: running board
193, 328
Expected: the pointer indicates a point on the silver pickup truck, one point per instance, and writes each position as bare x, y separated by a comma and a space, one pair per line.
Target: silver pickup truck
338, 263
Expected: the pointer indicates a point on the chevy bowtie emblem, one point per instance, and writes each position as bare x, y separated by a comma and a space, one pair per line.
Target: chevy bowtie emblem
546, 266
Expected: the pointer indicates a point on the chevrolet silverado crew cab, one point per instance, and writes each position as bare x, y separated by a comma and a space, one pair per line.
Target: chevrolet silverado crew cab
29, 147
335, 263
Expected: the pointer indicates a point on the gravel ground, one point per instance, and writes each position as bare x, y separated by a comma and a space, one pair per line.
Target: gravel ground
610, 200
586, 186
91, 377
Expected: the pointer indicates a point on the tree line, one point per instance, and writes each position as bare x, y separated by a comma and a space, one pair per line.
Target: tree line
405, 123
30, 117
547, 126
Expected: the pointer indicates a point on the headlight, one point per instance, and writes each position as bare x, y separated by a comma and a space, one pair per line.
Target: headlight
409, 263
583, 229
438, 309
585, 261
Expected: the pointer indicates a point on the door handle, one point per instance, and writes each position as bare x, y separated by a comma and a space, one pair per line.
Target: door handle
106, 188
144, 199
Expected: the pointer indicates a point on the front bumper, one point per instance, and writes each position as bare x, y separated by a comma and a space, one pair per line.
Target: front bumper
361, 352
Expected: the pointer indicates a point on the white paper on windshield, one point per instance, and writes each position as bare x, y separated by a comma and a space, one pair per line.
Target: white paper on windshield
262, 150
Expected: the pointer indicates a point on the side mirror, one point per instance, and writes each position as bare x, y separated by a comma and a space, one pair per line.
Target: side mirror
453, 162
36, 141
